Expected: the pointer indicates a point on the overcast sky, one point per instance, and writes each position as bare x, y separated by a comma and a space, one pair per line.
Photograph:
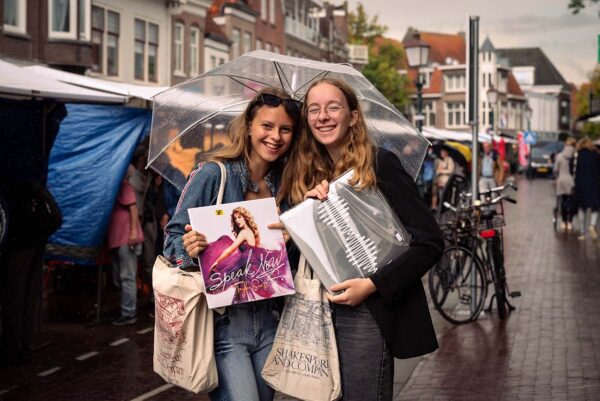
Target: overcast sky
570, 41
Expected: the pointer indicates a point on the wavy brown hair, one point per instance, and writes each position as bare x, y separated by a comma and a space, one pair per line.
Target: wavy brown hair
309, 162
240, 126
250, 222
585, 143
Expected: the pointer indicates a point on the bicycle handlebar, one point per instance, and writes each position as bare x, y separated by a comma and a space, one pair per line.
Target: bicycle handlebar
466, 195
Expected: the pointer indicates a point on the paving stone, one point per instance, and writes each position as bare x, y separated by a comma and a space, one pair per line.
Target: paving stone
547, 348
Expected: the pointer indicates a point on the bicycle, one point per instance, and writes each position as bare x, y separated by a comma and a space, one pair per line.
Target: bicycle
473, 258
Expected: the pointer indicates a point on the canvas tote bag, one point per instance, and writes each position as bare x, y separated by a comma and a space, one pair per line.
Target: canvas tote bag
303, 362
183, 329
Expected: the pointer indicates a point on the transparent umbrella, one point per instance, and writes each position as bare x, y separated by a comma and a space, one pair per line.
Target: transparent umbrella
192, 117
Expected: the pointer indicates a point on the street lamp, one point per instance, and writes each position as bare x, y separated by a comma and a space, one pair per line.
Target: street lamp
492, 96
417, 53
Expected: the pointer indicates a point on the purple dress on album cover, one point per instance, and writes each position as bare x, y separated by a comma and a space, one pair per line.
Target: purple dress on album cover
255, 272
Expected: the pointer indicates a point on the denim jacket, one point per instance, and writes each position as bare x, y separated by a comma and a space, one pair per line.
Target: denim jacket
200, 190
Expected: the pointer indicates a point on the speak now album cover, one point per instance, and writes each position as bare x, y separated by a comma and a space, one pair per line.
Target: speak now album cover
244, 261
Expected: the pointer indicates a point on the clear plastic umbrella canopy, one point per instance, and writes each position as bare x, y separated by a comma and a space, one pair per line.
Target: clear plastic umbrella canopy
192, 117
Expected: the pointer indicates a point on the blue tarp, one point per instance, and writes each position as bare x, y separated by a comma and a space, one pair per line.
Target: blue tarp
87, 163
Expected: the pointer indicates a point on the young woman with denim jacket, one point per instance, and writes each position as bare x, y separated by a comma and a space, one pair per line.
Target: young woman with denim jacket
386, 315
261, 138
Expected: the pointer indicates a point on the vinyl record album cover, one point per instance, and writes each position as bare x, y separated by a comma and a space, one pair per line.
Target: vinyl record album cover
244, 261
352, 234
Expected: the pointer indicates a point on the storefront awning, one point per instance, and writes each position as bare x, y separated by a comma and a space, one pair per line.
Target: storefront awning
18, 82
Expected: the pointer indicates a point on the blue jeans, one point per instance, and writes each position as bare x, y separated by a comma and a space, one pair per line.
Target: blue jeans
243, 338
124, 262
366, 363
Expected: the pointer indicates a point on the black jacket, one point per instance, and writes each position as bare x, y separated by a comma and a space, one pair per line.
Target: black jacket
399, 306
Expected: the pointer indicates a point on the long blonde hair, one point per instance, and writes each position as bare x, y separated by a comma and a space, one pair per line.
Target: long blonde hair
309, 162
240, 126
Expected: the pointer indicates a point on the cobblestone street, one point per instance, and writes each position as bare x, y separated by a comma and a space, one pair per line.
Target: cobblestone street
549, 347
546, 349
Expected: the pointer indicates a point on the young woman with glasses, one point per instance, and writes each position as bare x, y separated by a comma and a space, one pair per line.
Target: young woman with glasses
386, 315
260, 140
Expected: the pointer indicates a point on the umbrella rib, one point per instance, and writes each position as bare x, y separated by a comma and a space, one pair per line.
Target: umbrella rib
243, 84
318, 76
279, 75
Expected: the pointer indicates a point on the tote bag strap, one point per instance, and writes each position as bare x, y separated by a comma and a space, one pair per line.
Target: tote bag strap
222, 184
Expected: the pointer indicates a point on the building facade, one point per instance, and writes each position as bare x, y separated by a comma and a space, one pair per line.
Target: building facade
547, 92
165, 42
42, 31
445, 87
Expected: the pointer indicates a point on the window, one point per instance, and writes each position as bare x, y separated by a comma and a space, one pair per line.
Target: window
145, 50
429, 112
213, 62
112, 43
62, 19
277, 49
152, 52
235, 46
221, 61
263, 9
272, 11
194, 51
247, 44
455, 114
425, 77
268, 47
15, 12
178, 48
455, 82
105, 41
83, 18
259, 44
139, 47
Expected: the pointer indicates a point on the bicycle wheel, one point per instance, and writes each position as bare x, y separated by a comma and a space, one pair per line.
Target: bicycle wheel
457, 285
500, 279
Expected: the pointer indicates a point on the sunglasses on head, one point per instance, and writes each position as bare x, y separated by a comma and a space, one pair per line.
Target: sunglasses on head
274, 100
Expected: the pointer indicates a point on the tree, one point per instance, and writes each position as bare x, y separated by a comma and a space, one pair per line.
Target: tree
583, 95
383, 73
577, 5
363, 31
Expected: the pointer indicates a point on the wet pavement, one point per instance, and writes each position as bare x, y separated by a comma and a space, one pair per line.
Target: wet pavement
547, 349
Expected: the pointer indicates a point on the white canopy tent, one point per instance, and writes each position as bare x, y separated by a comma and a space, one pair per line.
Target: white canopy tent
443, 134
20, 82
117, 88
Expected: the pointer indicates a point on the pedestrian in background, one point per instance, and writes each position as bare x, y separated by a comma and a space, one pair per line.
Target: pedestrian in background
491, 171
443, 170
587, 186
565, 183
33, 216
125, 238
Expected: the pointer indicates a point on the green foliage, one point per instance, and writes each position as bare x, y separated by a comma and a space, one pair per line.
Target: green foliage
382, 73
577, 5
591, 129
583, 94
363, 31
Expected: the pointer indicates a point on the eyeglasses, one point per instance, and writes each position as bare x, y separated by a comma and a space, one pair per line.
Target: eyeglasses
273, 100
332, 110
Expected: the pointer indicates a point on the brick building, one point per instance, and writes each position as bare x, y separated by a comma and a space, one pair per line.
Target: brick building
445, 86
